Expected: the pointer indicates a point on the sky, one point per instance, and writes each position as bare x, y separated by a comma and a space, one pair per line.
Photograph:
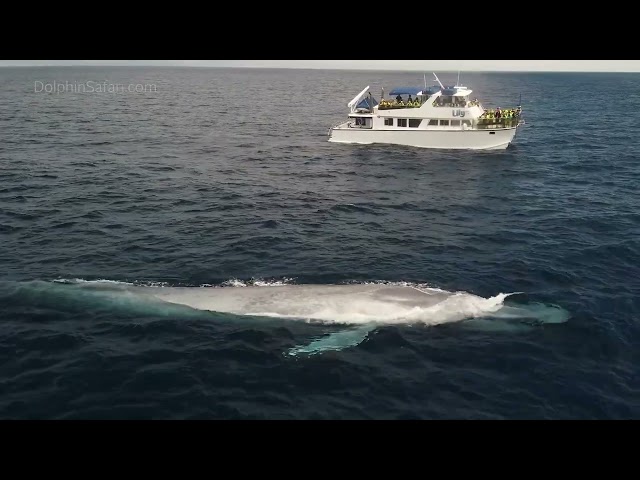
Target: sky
417, 65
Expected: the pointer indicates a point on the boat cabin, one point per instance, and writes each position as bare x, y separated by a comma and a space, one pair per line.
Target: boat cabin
437, 107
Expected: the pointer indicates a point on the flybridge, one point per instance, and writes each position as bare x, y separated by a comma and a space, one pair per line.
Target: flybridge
414, 91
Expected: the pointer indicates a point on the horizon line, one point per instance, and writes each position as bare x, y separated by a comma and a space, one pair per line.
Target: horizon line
341, 69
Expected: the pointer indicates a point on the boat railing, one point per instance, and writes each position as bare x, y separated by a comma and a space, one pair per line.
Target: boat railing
392, 105
483, 123
350, 124
509, 117
453, 105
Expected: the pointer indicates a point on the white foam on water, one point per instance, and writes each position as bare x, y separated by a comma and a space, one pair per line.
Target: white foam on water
234, 282
103, 281
81, 280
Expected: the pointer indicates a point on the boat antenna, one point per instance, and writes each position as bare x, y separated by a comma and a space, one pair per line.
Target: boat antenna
441, 86
458, 84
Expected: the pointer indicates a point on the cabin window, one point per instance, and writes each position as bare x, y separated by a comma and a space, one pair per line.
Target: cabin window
402, 122
455, 123
433, 122
388, 121
414, 122
466, 122
444, 123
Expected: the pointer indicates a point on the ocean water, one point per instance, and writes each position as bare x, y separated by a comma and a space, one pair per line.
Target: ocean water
201, 251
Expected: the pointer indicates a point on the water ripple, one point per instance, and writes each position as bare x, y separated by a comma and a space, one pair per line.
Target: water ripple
172, 189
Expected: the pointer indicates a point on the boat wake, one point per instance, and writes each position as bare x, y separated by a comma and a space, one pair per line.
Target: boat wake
355, 309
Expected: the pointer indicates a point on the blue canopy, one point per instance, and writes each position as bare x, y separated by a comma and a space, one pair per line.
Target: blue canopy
365, 103
405, 91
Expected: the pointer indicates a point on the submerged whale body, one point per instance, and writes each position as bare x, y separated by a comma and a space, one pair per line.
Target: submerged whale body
357, 308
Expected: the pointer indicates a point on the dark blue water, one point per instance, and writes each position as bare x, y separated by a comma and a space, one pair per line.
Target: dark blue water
225, 177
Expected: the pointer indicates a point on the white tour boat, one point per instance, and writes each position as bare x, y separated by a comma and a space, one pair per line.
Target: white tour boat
434, 117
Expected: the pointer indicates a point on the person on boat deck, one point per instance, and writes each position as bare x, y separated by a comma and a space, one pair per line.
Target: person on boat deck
409, 99
399, 98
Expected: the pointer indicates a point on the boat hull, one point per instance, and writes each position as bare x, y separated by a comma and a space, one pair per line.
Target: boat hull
484, 139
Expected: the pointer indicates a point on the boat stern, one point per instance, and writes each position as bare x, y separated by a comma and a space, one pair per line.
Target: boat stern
340, 126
